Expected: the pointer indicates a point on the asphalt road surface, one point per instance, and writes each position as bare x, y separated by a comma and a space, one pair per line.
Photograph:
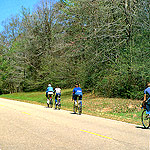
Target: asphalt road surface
26, 126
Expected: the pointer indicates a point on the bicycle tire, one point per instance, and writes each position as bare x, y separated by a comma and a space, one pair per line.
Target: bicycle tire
75, 108
51, 103
56, 105
59, 106
80, 109
145, 119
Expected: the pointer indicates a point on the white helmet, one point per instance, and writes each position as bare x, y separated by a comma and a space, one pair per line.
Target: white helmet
49, 84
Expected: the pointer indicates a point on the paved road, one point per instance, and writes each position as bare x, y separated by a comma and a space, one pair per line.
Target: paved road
26, 126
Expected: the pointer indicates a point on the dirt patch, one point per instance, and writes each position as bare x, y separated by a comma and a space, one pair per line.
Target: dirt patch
130, 106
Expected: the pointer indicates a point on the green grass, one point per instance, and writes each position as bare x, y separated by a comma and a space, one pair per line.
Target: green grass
113, 108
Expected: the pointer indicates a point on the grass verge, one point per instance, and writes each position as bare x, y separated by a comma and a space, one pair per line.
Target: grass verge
125, 110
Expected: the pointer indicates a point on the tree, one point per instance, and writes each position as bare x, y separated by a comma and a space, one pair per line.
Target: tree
102, 44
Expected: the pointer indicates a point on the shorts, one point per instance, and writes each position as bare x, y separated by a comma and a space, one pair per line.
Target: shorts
75, 97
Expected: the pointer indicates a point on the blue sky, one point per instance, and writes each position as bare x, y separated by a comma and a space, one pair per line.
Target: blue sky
9, 8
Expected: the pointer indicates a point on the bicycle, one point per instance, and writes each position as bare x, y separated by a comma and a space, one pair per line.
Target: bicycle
77, 106
145, 117
49, 99
58, 104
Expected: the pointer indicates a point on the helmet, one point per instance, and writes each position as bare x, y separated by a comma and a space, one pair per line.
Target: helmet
49, 84
148, 84
77, 84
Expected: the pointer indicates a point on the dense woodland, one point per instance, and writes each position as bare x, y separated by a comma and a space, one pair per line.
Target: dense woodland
103, 44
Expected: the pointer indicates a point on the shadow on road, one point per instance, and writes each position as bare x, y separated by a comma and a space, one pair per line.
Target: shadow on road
46, 107
140, 127
73, 113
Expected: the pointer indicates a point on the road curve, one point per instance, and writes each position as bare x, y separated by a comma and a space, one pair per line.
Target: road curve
25, 126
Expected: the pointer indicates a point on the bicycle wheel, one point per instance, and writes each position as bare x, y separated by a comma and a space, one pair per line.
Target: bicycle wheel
59, 106
55, 105
145, 120
51, 103
80, 109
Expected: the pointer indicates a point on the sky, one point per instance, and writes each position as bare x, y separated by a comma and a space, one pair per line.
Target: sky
10, 8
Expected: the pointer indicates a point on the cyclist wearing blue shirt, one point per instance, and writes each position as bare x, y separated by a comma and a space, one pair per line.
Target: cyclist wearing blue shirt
49, 89
77, 92
147, 93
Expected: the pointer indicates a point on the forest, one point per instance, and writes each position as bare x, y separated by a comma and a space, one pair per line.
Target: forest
102, 44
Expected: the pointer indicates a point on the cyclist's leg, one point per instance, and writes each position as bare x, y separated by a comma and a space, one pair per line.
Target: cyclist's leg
75, 99
59, 96
46, 94
148, 109
56, 98
80, 104
80, 99
59, 99
48, 100
75, 104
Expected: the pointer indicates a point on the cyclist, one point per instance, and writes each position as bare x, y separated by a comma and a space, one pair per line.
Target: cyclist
58, 94
147, 92
77, 92
49, 89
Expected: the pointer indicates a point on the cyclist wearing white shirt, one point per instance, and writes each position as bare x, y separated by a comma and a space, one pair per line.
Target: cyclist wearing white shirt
58, 94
